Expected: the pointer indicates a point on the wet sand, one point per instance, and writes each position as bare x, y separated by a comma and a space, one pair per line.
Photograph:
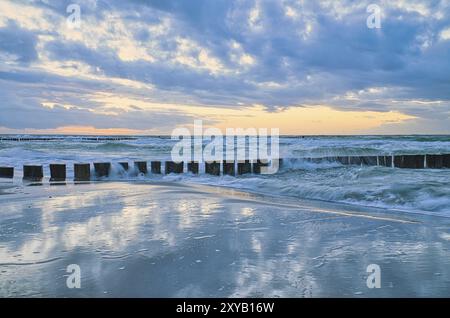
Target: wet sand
172, 240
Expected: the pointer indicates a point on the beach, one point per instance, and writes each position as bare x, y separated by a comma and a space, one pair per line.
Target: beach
171, 239
224, 152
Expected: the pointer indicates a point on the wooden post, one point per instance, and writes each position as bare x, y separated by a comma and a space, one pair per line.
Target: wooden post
102, 169
343, 160
57, 172
156, 167
33, 173
82, 171
369, 160
244, 167
228, 168
141, 167
212, 168
355, 160
434, 161
174, 167
409, 161
7, 172
446, 161
258, 164
385, 161
193, 167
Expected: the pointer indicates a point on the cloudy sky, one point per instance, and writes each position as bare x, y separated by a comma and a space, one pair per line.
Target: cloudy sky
306, 67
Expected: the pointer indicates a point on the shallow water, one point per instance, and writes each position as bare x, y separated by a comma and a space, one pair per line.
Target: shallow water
143, 240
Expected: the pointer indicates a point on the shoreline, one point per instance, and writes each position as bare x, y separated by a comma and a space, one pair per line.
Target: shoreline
19, 184
177, 240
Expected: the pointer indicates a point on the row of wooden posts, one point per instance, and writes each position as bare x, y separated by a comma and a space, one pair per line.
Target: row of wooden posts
82, 171
61, 138
430, 161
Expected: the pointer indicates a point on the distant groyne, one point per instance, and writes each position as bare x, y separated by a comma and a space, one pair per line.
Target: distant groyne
82, 138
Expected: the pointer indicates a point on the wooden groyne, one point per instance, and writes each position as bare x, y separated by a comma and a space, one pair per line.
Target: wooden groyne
84, 171
93, 138
426, 161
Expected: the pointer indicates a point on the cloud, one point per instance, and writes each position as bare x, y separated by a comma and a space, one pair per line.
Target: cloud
229, 54
19, 43
445, 34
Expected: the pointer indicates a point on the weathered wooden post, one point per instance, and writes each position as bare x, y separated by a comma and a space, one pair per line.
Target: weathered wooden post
343, 160
7, 172
385, 161
193, 167
141, 167
369, 160
174, 167
398, 161
82, 171
156, 167
57, 172
229, 168
409, 161
446, 160
212, 168
415, 161
33, 173
434, 161
355, 160
258, 164
102, 169
244, 167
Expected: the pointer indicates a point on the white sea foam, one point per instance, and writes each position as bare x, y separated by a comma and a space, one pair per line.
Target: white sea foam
411, 190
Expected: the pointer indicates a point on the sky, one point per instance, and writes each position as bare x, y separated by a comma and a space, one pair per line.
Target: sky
147, 67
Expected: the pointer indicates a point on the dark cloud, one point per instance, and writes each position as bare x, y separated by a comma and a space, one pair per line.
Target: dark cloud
27, 111
18, 42
316, 55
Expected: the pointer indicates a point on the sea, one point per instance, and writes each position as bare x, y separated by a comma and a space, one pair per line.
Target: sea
410, 190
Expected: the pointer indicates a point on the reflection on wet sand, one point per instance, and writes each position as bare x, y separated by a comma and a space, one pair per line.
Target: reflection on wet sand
167, 240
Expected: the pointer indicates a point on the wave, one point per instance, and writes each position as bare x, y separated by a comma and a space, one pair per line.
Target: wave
411, 190
381, 187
